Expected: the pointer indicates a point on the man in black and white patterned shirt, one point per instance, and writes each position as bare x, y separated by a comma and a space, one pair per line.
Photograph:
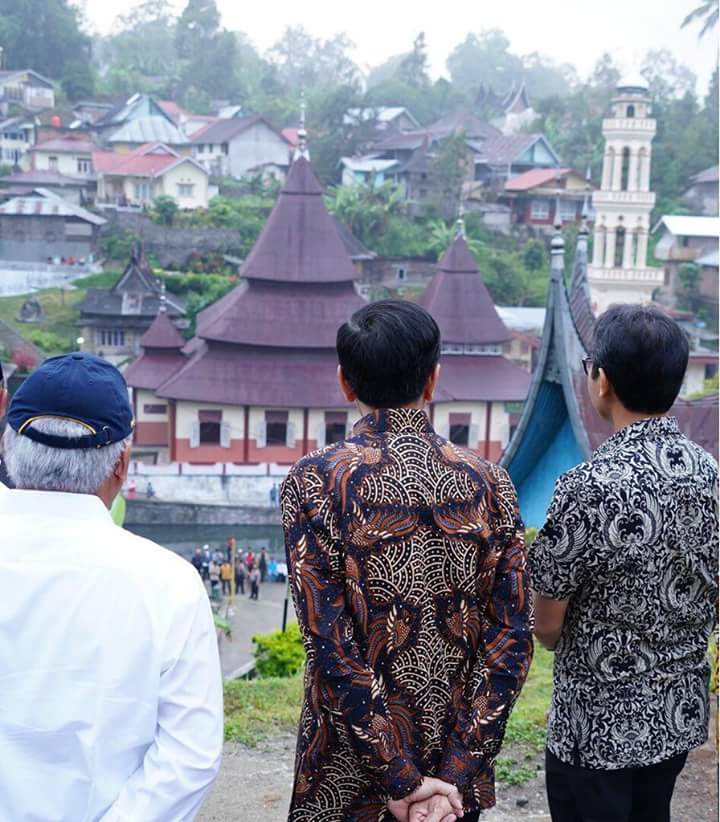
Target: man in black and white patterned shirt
625, 579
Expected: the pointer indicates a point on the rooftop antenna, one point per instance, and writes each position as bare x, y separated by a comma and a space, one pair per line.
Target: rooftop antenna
302, 149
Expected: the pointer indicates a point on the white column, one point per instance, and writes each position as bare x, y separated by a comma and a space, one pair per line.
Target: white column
627, 250
633, 171
598, 246
617, 171
642, 244
607, 170
645, 172
610, 248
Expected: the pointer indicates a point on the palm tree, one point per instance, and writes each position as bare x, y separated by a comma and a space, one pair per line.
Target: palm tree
708, 11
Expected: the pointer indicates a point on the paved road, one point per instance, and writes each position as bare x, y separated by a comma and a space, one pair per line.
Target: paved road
249, 617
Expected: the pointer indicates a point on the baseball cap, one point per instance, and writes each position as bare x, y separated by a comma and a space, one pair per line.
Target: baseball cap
78, 387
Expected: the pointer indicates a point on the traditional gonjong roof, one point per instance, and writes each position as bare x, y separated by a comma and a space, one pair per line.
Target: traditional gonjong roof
559, 428
469, 323
144, 288
270, 342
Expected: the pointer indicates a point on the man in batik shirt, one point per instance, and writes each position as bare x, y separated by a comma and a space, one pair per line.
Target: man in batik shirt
625, 579
407, 567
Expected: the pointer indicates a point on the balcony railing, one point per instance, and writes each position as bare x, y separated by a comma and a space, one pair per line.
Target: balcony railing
655, 276
645, 198
639, 124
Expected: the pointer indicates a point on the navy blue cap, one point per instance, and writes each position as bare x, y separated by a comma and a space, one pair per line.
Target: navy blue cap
80, 388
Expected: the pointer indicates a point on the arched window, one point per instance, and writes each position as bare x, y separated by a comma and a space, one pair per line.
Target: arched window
625, 173
608, 168
634, 248
640, 165
619, 246
631, 110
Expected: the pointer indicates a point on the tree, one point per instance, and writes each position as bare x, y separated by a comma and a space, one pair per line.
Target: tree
533, 256
484, 58
206, 51
666, 77
707, 13
447, 171
47, 36
413, 68
165, 209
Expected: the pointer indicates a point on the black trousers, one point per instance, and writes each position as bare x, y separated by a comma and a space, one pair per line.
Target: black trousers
578, 794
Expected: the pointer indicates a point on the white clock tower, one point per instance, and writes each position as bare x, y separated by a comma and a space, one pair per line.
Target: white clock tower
619, 272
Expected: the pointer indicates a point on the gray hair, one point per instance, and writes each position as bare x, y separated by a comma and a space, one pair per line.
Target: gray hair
34, 466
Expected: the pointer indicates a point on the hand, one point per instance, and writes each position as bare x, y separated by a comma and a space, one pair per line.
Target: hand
435, 809
400, 808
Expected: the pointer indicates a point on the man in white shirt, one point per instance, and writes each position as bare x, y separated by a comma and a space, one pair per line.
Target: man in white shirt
3, 404
110, 685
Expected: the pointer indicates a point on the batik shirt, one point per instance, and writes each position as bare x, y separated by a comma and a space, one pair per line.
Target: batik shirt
407, 568
631, 540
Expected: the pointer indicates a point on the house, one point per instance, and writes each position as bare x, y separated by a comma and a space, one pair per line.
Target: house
478, 387
241, 146
136, 122
559, 427
113, 320
501, 157
702, 193
385, 118
138, 177
17, 136
77, 190
541, 196
41, 225
70, 156
25, 88
687, 239
525, 325
367, 170
509, 112
257, 384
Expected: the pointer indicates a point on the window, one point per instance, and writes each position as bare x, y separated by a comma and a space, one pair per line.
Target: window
335, 426
568, 210
539, 209
625, 170
401, 273
685, 242
276, 427
53, 163
631, 111
224, 148
112, 337
460, 429
142, 191
619, 246
83, 165
152, 408
210, 427
185, 189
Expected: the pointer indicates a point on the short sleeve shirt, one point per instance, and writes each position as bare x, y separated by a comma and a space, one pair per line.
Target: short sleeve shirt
631, 540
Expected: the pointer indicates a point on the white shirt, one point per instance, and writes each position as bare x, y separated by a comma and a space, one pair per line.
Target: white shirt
110, 684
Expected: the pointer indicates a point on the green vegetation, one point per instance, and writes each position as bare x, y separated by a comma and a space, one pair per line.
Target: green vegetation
280, 653
710, 388
258, 708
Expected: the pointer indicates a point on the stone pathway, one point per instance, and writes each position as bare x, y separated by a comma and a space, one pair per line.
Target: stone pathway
254, 786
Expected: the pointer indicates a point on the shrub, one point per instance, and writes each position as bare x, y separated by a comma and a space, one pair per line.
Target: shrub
279, 654
46, 341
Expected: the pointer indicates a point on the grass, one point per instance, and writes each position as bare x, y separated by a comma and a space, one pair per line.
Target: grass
259, 708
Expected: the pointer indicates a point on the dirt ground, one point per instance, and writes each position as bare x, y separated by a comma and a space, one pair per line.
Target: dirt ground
254, 786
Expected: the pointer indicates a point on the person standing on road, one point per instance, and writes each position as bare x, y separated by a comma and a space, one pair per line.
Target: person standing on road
111, 703
249, 560
255, 582
240, 576
263, 564
198, 562
214, 577
226, 575
207, 559
4, 479
625, 578
406, 562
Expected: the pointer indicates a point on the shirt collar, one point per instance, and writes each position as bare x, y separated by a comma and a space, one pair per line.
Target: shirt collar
394, 421
636, 431
52, 504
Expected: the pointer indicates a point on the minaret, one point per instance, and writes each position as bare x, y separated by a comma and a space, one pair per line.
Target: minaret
619, 270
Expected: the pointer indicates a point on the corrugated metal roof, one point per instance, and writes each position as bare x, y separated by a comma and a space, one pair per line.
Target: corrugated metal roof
688, 226
708, 175
66, 145
149, 130
46, 204
522, 318
369, 164
534, 178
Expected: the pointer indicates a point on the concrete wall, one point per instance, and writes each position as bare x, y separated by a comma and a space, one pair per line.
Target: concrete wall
143, 512
67, 163
499, 425
254, 147
172, 246
33, 238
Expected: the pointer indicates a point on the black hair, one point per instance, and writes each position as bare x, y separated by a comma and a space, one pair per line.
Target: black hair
388, 351
644, 354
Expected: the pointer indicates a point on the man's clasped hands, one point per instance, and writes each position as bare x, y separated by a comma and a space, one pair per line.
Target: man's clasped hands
433, 801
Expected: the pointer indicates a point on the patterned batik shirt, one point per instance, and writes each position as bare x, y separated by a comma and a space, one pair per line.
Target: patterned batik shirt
407, 567
631, 540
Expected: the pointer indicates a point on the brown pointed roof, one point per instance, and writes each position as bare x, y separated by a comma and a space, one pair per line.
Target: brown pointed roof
460, 302
300, 241
162, 334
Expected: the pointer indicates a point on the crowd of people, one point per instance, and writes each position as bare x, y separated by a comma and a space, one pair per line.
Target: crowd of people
417, 599
220, 569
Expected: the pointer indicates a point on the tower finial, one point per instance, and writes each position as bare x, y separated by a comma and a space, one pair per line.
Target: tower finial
460, 222
302, 149
163, 299
586, 202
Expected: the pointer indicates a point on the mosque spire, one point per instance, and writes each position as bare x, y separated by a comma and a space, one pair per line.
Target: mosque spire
163, 299
460, 222
302, 149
